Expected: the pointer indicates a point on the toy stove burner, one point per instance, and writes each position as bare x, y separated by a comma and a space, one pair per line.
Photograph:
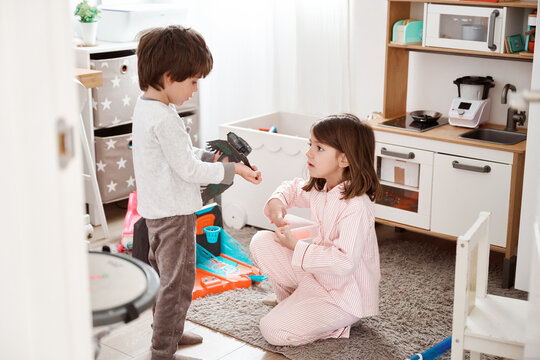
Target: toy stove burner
408, 123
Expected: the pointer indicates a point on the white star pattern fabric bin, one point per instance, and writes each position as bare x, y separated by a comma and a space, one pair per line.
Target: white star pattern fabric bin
113, 103
114, 163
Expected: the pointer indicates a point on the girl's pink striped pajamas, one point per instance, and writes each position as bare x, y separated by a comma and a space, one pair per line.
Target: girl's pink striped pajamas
325, 286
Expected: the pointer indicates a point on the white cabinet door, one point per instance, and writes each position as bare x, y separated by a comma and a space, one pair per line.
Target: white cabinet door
463, 187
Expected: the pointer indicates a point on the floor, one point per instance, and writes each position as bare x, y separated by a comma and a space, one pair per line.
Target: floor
132, 340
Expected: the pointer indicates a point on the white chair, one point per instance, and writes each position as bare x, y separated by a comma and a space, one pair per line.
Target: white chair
90, 180
482, 323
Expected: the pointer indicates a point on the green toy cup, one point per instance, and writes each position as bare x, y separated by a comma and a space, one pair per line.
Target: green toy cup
212, 233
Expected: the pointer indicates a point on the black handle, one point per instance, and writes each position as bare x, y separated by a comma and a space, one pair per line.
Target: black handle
480, 169
410, 155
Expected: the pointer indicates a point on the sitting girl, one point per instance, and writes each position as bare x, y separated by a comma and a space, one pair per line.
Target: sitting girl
324, 286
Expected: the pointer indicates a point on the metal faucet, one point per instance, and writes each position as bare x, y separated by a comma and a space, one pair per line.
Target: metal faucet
513, 116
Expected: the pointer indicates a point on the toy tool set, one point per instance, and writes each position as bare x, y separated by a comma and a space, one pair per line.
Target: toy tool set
222, 262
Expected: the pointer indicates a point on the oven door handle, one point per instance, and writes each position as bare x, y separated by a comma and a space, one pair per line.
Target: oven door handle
480, 169
491, 25
396, 154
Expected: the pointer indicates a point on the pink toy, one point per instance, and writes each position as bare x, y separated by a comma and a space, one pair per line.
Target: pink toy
132, 216
306, 233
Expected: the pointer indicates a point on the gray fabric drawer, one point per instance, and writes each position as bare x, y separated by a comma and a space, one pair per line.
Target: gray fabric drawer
113, 103
114, 163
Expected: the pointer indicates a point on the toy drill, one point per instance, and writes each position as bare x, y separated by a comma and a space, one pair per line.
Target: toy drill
236, 149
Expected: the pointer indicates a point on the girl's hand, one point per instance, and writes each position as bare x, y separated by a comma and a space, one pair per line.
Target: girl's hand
218, 155
284, 237
277, 212
253, 176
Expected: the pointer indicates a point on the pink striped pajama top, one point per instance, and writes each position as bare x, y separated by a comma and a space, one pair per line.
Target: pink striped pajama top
344, 258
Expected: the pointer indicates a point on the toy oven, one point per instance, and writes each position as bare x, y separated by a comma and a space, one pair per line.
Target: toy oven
405, 175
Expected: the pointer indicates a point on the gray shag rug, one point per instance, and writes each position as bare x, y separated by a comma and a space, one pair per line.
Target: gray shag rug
416, 296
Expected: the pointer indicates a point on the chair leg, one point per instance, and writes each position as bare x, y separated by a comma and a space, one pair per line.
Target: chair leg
475, 355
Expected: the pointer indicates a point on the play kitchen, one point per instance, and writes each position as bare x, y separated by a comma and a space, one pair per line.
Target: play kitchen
439, 181
406, 173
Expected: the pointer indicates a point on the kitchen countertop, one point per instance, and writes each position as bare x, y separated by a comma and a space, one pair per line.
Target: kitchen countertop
449, 133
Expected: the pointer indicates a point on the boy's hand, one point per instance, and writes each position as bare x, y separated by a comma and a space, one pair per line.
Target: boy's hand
253, 176
218, 155
284, 237
277, 212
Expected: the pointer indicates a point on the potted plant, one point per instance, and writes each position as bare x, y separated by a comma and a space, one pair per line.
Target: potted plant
88, 15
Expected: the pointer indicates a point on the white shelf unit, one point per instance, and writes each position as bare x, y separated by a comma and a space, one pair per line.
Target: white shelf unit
82, 60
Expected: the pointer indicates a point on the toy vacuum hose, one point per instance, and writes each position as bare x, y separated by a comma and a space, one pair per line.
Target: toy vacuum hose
435, 351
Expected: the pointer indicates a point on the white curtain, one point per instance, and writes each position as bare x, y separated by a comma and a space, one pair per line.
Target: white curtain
312, 56
240, 35
273, 55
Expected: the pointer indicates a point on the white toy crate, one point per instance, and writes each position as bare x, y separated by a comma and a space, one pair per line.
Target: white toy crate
280, 156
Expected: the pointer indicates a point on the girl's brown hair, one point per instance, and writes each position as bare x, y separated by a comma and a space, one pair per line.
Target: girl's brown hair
176, 51
348, 135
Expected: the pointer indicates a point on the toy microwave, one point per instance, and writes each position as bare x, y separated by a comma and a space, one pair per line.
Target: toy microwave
470, 27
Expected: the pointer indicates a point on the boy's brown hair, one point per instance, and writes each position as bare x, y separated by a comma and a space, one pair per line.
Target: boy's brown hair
348, 135
176, 51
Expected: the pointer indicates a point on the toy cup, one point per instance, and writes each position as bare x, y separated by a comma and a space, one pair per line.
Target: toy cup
212, 233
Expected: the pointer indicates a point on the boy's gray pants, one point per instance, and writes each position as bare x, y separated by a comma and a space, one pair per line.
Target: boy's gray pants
172, 254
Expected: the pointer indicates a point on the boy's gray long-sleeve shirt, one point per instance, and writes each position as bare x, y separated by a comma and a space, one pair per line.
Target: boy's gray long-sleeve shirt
168, 169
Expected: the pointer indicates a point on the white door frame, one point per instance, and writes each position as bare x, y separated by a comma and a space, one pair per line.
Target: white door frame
44, 302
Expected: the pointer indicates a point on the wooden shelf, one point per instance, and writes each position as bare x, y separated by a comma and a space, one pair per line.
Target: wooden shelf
419, 47
89, 78
517, 4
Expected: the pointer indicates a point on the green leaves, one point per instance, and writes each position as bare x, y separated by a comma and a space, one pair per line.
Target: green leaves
86, 12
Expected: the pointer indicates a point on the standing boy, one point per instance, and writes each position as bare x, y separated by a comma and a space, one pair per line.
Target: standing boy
169, 170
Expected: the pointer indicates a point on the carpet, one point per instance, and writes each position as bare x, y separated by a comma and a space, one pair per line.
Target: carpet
416, 296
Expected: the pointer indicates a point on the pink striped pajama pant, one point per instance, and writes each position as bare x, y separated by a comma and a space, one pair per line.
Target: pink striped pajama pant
305, 311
